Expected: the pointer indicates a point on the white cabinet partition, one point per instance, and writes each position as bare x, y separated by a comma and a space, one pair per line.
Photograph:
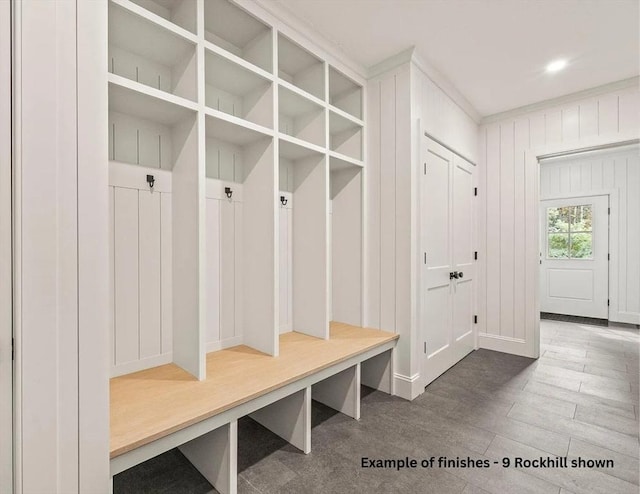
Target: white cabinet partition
214, 114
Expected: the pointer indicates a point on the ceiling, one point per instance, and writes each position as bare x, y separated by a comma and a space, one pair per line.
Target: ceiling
493, 51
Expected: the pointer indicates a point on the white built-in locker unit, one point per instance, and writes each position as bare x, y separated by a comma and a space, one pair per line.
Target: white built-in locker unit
236, 159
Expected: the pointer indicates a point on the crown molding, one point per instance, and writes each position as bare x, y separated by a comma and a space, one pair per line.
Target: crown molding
411, 55
305, 30
562, 100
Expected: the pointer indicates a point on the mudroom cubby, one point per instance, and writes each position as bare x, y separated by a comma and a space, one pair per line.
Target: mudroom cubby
180, 12
300, 68
222, 162
301, 117
346, 241
145, 130
345, 136
238, 91
145, 52
345, 94
303, 234
235, 30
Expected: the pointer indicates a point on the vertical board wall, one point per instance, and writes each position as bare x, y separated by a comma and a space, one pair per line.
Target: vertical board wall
608, 172
508, 201
398, 99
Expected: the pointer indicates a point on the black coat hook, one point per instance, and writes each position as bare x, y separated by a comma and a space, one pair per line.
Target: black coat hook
151, 180
228, 192
284, 200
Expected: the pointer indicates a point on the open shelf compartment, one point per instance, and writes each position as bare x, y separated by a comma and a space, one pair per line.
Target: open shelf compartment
147, 131
237, 91
299, 67
345, 136
235, 30
232, 150
300, 117
181, 12
145, 52
344, 93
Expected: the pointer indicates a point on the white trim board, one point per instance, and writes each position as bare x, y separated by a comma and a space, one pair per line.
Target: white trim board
6, 299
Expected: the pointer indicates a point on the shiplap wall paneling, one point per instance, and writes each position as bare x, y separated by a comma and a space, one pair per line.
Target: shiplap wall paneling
224, 270
616, 173
507, 233
141, 324
346, 242
303, 174
286, 257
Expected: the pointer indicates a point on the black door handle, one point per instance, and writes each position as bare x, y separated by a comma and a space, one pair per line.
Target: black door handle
460, 274
453, 275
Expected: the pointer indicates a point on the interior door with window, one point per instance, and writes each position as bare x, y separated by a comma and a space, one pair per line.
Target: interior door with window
574, 274
447, 277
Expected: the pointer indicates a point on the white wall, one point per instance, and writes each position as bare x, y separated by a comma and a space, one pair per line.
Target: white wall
61, 211
617, 173
6, 331
509, 200
401, 99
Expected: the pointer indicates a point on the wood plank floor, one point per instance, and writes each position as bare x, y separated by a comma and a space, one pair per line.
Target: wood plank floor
579, 399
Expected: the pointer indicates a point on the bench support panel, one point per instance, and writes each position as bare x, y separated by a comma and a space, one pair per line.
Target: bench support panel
289, 418
341, 392
215, 455
377, 372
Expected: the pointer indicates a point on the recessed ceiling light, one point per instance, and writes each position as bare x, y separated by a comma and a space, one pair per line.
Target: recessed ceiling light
556, 65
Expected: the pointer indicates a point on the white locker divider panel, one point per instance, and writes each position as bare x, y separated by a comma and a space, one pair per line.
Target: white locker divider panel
448, 269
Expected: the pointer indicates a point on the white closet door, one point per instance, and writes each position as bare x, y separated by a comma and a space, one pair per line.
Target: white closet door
446, 217
463, 258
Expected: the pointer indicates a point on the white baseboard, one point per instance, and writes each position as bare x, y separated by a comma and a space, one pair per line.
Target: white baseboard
214, 346
408, 387
627, 318
142, 364
505, 345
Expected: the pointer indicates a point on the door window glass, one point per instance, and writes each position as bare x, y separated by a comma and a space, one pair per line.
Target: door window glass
570, 232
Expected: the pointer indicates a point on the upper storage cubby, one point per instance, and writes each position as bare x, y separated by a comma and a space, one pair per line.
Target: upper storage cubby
300, 117
149, 131
344, 93
238, 91
232, 28
232, 151
145, 52
345, 136
181, 12
299, 67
